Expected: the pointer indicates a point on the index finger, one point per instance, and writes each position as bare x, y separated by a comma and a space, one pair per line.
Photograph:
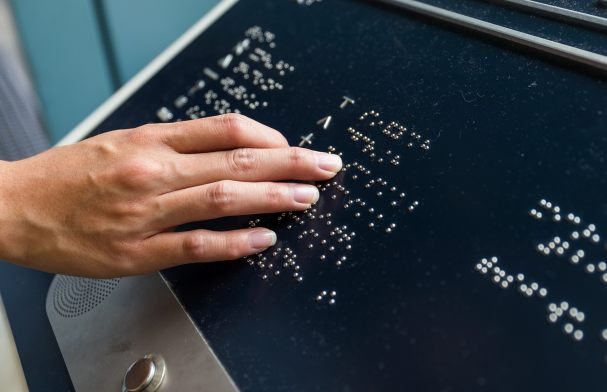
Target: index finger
219, 133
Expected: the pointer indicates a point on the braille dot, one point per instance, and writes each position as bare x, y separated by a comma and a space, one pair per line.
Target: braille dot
595, 238
602, 266
331, 249
388, 230
332, 302
264, 277
371, 224
542, 292
328, 223
300, 279
552, 307
338, 263
558, 312
580, 316
319, 298
379, 194
322, 257
568, 328
564, 305
529, 293
578, 335
295, 275
357, 214
604, 335
604, 278
552, 318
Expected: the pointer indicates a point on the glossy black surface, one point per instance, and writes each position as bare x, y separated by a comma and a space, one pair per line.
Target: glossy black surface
506, 129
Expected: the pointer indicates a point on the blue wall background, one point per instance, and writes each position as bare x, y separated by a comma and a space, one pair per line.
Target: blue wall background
81, 51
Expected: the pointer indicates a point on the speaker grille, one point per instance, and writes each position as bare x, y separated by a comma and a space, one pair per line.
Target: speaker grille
73, 297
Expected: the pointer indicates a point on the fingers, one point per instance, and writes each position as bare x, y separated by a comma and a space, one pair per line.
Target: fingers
247, 164
231, 198
166, 250
221, 133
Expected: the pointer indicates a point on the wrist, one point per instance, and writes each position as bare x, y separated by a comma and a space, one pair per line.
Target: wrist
9, 237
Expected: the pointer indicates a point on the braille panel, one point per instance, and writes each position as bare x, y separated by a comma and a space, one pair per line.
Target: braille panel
430, 235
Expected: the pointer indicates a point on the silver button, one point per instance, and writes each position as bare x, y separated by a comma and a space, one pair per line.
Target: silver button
145, 375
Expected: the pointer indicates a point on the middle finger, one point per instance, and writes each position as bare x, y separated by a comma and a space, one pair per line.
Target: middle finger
254, 165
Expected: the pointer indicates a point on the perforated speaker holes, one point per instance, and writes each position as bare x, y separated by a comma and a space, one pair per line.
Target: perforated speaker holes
73, 297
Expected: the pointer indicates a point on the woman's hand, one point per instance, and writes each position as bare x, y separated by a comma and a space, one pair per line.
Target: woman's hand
107, 206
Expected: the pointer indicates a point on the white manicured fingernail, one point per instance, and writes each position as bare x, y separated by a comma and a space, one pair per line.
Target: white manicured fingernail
262, 239
328, 162
305, 194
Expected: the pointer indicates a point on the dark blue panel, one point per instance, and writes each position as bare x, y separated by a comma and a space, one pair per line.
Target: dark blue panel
24, 295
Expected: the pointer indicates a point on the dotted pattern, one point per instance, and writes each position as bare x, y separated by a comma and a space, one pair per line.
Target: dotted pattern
74, 297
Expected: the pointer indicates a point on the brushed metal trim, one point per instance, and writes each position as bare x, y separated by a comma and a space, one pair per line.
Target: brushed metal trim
594, 60
141, 316
559, 13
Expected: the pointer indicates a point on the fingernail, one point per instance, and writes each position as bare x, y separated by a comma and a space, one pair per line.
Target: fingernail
262, 239
306, 194
328, 162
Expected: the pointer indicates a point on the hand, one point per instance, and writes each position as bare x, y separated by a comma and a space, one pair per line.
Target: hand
107, 206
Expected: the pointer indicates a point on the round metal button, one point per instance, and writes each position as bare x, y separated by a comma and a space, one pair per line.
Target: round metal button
140, 375
145, 375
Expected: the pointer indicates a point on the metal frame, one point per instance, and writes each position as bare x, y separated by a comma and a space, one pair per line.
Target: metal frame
594, 60
553, 12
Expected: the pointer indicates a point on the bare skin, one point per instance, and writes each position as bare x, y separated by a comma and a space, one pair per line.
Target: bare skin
106, 207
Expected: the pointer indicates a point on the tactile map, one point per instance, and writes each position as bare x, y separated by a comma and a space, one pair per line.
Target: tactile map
463, 245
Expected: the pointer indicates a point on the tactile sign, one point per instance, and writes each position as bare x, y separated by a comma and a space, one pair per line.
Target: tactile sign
459, 249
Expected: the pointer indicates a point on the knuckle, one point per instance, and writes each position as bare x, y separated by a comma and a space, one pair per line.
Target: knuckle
140, 172
143, 135
236, 125
195, 246
243, 160
232, 244
276, 194
222, 196
298, 157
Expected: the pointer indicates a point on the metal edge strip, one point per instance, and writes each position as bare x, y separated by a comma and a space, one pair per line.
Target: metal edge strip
579, 18
11, 372
125, 92
594, 60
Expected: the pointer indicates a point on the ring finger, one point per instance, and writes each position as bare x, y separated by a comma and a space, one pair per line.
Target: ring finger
232, 198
